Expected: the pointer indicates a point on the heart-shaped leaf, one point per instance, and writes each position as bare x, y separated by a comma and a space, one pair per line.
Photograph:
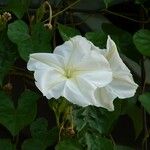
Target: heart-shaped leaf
98, 38
6, 144
130, 108
39, 128
97, 119
15, 119
93, 142
18, 7
71, 144
7, 56
37, 41
67, 32
141, 40
41, 136
145, 101
123, 40
18, 31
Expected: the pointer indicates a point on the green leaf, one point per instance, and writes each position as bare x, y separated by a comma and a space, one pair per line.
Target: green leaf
39, 128
142, 41
95, 142
41, 137
145, 101
18, 7
97, 38
40, 12
70, 144
136, 115
4, 69
123, 40
41, 38
33, 144
147, 70
18, 31
97, 119
38, 41
67, 32
5, 144
16, 119
7, 56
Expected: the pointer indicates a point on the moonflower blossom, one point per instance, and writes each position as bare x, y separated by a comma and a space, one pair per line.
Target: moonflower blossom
74, 70
122, 84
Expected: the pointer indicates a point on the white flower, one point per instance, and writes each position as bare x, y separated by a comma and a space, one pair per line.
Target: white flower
74, 70
122, 85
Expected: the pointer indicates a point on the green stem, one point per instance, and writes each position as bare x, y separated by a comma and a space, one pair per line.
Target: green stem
125, 17
57, 119
60, 12
112, 139
60, 131
110, 12
143, 79
146, 133
71, 110
15, 140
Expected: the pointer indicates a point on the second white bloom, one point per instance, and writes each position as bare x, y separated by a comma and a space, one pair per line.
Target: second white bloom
122, 84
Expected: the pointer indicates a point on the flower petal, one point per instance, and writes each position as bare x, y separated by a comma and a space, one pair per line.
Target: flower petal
79, 92
105, 98
114, 59
123, 86
73, 50
45, 61
50, 82
95, 68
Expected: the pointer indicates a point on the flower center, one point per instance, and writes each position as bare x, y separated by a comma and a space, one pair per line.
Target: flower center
69, 73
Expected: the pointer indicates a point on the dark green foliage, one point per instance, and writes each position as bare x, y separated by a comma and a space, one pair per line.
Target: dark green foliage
95, 142
67, 32
71, 144
95, 118
18, 7
15, 119
37, 41
6, 144
145, 101
7, 56
135, 113
41, 136
142, 41
123, 40
98, 38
